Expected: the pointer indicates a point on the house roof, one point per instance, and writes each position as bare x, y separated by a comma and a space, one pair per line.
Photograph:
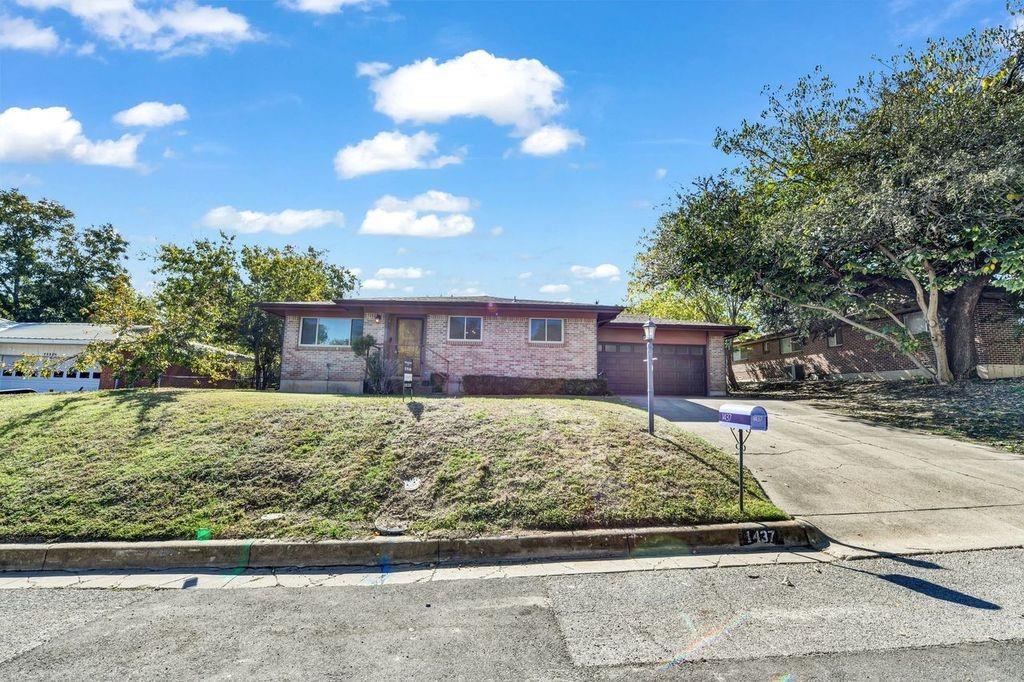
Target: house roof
629, 320
54, 332
496, 303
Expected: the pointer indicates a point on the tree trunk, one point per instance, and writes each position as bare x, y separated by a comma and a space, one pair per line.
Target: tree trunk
943, 375
962, 347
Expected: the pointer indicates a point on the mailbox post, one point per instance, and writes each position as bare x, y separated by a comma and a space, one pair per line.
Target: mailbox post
741, 420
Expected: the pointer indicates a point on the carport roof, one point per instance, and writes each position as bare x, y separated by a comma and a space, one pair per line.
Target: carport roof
70, 332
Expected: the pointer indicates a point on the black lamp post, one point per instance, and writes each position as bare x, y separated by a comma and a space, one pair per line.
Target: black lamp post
649, 328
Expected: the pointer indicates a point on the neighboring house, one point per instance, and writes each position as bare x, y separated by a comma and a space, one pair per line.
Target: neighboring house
484, 335
52, 341
60, 344
846, 352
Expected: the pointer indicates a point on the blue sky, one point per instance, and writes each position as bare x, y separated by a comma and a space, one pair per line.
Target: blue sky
501, 148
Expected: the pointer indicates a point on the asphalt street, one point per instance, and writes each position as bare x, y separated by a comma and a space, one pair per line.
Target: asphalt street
944, 616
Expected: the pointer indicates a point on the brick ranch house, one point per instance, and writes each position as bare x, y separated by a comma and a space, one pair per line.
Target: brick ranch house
485, 335
845, 352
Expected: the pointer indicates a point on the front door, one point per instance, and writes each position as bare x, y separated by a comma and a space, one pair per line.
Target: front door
408, 342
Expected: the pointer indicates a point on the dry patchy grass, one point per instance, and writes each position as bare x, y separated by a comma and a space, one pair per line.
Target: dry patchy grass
161, 463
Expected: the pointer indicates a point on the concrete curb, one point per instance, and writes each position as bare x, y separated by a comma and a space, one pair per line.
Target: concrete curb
587, 544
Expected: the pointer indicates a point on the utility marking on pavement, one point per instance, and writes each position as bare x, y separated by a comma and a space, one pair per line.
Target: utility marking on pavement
705, 640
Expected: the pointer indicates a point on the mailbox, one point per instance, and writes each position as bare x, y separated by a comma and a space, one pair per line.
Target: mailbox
743, 417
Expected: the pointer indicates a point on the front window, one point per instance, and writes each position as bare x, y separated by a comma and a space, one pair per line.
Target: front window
544, 330
463, 328
329, 331
740, 353
916, 323
791, 344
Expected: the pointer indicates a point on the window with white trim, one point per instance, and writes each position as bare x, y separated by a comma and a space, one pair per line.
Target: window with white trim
465, 328
766, 347
916, 323
740, 353
546, 330
835, 337
329, 331
791, 344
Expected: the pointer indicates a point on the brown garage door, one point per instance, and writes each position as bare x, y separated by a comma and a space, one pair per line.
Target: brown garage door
678, 369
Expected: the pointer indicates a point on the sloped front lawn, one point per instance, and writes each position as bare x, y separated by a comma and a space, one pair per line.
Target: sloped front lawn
160, 464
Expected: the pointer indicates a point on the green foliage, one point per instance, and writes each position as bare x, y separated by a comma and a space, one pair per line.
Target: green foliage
51, 271
903, 190
485, 384
361, 345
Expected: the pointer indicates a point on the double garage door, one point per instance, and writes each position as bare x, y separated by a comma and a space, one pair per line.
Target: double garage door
678, 369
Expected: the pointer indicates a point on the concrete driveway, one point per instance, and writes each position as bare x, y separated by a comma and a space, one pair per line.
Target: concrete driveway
872, 488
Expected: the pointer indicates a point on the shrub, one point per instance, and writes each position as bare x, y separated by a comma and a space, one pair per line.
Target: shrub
483, 384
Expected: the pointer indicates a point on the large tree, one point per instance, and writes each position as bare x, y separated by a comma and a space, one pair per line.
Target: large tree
909, 188
49, 270
287, 274
211, 288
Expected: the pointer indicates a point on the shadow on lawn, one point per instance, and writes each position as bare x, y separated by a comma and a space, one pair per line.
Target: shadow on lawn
141, 400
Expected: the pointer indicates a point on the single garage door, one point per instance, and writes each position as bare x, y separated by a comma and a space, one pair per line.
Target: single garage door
678, 369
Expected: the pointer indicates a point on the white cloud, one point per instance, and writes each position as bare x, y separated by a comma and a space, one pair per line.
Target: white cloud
431, 200
38, 135
524, 275
182, 28
393, 216
358, 272
18, 33
170, 153
402, 273
86, 50
288, 221
554, 289
497, 231
409, 224
372, 69
550, 140
151, 115
513, 92
391, 151
468, 291
328, 6
603, 271
660, 173
377, 285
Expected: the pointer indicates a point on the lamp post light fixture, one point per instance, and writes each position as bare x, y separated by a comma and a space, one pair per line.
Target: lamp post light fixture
649, 328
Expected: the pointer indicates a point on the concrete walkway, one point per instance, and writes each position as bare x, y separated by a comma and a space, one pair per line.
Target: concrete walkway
872, 488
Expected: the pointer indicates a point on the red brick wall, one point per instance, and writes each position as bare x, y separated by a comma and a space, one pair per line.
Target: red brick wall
505, 350
861, 353
999, 339
176, 376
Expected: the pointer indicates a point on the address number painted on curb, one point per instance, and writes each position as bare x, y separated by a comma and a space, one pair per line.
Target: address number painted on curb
760, 536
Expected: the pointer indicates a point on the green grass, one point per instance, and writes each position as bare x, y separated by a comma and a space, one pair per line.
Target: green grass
160, 464
988, 412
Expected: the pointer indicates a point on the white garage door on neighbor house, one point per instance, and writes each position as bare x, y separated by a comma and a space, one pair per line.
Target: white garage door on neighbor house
57, 342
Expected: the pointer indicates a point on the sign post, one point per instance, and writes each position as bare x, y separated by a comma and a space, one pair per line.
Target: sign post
406, 378
741, 420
